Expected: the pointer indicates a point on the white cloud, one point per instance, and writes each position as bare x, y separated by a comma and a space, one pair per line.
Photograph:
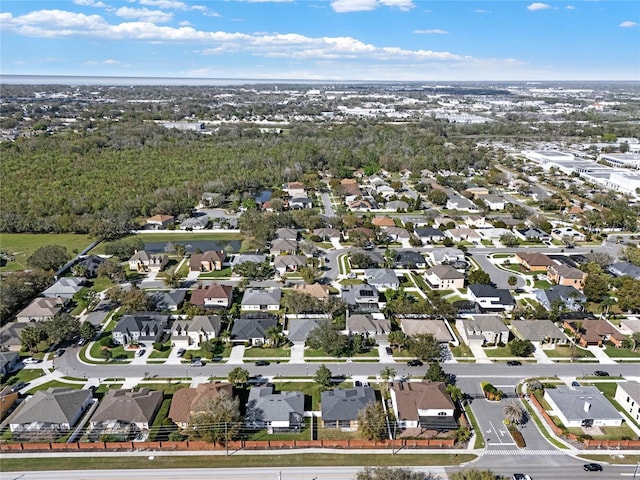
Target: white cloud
481, 11
628, 24
144, 14
90, 3
345, 6
570, 7
538, 6
434, 31
111, 61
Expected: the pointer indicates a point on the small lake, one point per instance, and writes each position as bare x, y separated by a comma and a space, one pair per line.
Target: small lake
229, 246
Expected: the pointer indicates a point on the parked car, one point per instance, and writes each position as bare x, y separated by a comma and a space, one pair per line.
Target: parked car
592, 467
140, 352
18, 386
30, 361
197, 362
261, 363
58, 352
514, 363
415, 363
520, 476
601, 373
575, 383
180, 352
389, 350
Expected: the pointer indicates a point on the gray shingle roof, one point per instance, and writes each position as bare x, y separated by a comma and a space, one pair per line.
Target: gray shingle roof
344, 404
55, 405
262, 296
247, 329
128, 406
265, 406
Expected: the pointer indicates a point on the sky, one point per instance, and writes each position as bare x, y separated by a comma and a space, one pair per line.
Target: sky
341, 40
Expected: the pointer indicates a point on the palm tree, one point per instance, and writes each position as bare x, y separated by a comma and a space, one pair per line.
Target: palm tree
225, 336
455, 393
387, 374
238, 376
514, 412
275, 336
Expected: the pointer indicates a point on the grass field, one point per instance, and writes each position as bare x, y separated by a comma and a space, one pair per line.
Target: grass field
22, 245
158, 461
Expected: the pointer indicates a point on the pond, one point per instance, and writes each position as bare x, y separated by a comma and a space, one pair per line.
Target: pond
229, 246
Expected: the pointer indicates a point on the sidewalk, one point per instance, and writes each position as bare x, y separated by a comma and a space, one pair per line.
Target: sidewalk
602, 357
540, 356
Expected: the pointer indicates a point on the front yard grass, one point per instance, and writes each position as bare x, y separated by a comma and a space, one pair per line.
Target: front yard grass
563, 351
497, 352
55, 384
22, 246
257, 352
614, 352
462, 351
25, 375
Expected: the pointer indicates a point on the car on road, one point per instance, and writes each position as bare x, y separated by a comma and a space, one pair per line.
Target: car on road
601, 373
30, 361
59, 352
592, 467
261, 363
18, 386
197, 362
520, 476
415, 363
514, 363
140, 352
180, 352
575, 383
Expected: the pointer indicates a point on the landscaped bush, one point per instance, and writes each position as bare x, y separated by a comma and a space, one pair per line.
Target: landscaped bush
517, 437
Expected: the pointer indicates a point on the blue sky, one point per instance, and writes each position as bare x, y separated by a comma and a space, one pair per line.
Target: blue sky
323, 39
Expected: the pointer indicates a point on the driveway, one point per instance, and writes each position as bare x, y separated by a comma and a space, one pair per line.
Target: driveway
297, 353
236, 356
326, 203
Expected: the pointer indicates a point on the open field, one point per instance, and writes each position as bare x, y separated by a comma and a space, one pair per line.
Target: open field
22, 245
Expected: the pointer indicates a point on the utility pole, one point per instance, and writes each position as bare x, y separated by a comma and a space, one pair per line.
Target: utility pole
226, 440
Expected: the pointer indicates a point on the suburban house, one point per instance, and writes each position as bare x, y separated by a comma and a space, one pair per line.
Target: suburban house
625, 269
568, 298
492, 201
566, 275
568, 233
628, 396
261, 299
8, 399
298, 329
594, 332
532, 235
463, 234
382, 278
316, 290
289, 263
160, 222
212, 296
448, 255
582, 407
89, 265
187, 401
534, 262
483, 330
9, 361
429, 235
287, 234
417, 325
66, 288
299, 203
53, 411
171, 300
10, 335
360, 297
396, 205
253, 330
201, 328
282, 246
368, 324
207, 262
195, 223
125, 413
409, 259
396, 234
444, 277
246, 257
140, 327
143, 261
276, 412
491, 298
628, 326
383, 222
360, 205
425, 405
543, 332
327, 234
41, 309
340, 407
458, 202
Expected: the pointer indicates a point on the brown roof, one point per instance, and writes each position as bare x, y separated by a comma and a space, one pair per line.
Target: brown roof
160, 218
445, 272
315, 290
383, 222
414, 396
128, 406
213, 291
566, 271
186, 399
211, 256
535, 259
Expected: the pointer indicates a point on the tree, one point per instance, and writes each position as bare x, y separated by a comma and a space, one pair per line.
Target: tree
254, 271
329, 339
106, 353
424, 346
393, 473
30, 337
362, 260
173, 278
437, 197
323, 377
628, 298
61, 328
474, 474
372, 423
275, 336
635, 338
397, 338
479, 277
599, 258
111, 270
521, 348
509, 240
631, 254
512, 280
238, 376
49, 257
435, 373
309, 274
215, 419
387, 374
87, 331
596, 286
514, 412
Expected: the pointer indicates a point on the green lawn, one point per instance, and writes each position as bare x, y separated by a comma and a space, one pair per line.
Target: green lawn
542, 284
479, 439
25, 375
22, 245
257, 352
462, 351
117, 353
163, 353
55, 384
224, 273
614, 352
495, 352
562, 351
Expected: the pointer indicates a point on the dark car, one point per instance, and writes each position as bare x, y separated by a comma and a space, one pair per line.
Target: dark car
514, 363
18, 386
575, 383
389, 351
197, 362
261, 363
592, 467
180, 352
414, 363
601, 373
58, 352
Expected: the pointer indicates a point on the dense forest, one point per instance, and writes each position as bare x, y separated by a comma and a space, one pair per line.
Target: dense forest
67, 182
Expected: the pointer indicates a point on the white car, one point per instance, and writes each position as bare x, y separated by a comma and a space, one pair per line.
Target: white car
30, 361
140, 352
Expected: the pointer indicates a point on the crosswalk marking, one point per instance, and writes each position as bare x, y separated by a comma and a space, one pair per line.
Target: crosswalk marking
537, 453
